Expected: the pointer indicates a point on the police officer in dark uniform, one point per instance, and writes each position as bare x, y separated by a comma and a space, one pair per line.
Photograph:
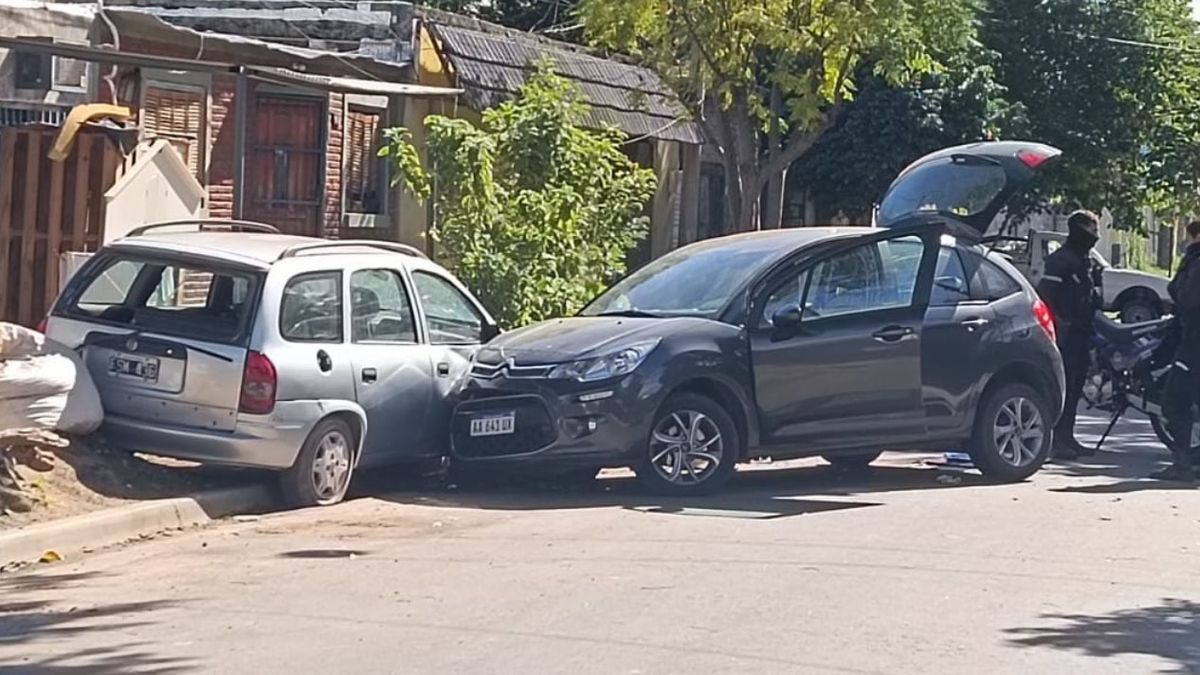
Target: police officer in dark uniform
1183, 382
1069, 288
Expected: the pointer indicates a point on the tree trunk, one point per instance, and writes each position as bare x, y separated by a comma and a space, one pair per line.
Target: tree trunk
772, 216
772, 208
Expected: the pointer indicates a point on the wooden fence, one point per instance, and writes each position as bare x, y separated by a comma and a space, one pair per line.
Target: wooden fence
47, 208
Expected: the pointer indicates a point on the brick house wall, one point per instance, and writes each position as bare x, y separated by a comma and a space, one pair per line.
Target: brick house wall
222, 139
334, 163
222, 158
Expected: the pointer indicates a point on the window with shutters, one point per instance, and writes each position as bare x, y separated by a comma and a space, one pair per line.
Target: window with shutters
365, 181
179, 116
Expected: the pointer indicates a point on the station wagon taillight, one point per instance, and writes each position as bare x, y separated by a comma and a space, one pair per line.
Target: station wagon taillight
1042, 311
259, 381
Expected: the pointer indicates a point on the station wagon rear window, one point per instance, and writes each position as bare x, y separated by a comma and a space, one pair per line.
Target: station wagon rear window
179, 299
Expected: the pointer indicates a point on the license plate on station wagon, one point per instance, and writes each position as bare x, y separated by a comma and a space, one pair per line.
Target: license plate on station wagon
494, 425
133, 367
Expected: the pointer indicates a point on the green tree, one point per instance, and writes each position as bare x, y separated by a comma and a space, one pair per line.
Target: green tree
1114, 84
766, 78
535, 213
886, 127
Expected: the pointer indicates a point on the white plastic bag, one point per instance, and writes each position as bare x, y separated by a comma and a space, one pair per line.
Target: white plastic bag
45, 385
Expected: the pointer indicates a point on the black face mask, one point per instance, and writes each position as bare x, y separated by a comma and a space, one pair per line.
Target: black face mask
1081, 240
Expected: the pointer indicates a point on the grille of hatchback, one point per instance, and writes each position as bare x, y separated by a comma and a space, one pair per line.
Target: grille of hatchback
533, 428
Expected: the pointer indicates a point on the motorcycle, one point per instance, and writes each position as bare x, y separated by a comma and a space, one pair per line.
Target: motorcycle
1129, 365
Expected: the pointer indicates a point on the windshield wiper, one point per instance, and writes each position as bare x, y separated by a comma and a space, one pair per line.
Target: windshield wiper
632, 313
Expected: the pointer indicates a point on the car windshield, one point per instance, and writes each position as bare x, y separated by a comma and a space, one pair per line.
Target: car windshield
698, 280
944, 187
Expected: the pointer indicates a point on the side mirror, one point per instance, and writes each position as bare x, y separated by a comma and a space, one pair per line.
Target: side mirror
787, 317
490, 332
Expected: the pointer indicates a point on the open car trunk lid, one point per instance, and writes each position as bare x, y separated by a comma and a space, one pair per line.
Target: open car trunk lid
966, 185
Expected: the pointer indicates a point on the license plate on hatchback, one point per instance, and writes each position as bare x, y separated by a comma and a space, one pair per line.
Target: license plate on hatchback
133, 367
494, 425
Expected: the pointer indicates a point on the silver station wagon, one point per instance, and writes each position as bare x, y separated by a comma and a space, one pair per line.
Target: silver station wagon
226, 342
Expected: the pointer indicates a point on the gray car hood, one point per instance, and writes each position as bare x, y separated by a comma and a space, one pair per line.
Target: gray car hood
563, 340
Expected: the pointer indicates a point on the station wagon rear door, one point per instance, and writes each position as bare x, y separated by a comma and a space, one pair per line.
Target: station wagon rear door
165, 339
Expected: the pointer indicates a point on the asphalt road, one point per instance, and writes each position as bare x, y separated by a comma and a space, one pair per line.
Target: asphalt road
1085, 569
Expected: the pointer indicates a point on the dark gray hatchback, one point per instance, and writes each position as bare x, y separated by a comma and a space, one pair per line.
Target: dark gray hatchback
838, 342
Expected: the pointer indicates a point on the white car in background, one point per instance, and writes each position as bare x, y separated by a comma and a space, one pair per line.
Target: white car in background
1135, 296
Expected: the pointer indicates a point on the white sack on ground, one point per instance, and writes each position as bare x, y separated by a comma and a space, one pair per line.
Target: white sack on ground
44, 385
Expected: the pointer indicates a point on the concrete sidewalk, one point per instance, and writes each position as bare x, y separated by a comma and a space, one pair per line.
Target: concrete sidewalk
71, 537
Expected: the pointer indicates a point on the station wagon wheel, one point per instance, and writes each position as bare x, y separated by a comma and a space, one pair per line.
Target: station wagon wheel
693, 447
1012, 437
324, 467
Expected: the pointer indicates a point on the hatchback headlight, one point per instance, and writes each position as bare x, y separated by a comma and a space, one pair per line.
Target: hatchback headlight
605, 367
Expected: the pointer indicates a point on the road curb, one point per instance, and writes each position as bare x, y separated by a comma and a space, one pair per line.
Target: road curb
73, 536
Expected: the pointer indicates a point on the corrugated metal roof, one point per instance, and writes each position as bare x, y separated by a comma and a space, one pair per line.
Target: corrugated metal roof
493, 67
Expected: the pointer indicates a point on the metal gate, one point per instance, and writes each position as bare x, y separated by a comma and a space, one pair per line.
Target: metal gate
284, 167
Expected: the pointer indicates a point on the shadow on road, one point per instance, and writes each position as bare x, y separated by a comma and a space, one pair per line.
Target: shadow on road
760, 493
34, 608
1170, 631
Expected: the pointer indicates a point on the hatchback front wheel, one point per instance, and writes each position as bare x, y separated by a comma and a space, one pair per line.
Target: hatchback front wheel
693, 447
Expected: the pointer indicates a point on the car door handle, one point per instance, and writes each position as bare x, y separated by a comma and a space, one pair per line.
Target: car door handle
443, 369
894, 334
369, 375
323, 361
972, 324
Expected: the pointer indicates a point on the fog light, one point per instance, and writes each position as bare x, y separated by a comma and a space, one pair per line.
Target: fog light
578, 427
595, 396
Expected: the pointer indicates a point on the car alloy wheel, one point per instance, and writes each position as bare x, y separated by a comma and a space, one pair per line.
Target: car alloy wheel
686, 448
331, 465
1019, 431
1011, 439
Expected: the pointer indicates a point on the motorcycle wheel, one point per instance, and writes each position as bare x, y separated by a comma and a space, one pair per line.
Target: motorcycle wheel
1160, 429
1159, 424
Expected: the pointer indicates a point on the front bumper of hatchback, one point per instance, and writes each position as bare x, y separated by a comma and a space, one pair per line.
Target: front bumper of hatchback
555, 421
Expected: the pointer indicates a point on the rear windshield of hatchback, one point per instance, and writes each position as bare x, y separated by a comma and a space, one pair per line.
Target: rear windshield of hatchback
179, 299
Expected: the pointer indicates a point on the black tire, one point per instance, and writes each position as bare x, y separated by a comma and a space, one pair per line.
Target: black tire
857, 460
1160, 429
997, 407
712, 476
1159, 424
1139, 309
300, 485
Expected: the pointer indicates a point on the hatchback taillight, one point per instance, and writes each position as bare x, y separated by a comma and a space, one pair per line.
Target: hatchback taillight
259, 381
43, 325
1042, 311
